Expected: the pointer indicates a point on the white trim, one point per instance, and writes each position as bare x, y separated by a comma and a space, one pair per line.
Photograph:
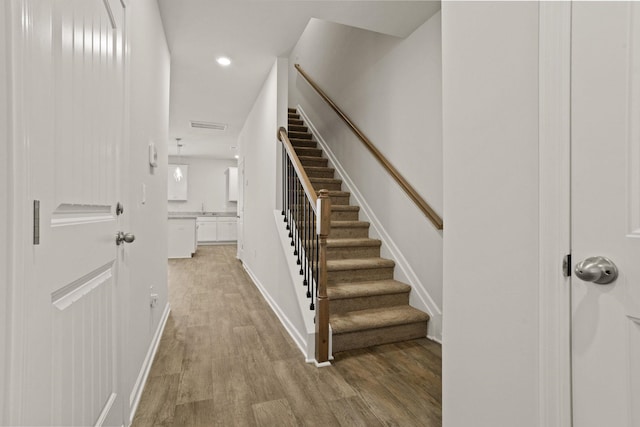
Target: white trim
301, 295
19, 214
106, 409
138, 387
5, 201
65, 297
419, 291
290, 328
555, 213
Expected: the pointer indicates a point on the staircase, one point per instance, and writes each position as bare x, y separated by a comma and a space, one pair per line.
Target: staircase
367, 306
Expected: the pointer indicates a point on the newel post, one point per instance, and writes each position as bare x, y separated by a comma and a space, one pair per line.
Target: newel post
322, 306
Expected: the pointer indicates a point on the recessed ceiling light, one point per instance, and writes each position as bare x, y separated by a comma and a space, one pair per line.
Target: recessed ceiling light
236, 156
224, 61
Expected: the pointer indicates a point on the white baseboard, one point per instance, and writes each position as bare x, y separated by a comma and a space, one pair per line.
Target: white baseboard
138, 387
425, 301
297, 337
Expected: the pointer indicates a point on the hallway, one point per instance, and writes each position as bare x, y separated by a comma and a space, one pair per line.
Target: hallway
226, 360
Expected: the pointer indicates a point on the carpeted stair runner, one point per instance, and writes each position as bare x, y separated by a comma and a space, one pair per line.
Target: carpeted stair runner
367, 306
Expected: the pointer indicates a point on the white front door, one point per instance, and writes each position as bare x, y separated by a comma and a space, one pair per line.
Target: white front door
605, 150
68, 91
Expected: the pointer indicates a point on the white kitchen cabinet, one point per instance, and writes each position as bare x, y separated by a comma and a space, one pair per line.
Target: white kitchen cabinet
177, 177
182, 237
216, 229
227, 229
231, 175
207, 229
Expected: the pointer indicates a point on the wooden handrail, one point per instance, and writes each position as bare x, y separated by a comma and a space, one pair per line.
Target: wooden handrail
402, 182
304, 179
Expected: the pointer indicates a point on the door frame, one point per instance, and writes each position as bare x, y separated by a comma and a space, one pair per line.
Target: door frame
18, 217
5, 197
555, 398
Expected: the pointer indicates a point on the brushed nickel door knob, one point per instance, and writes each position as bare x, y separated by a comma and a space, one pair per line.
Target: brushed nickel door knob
597, 269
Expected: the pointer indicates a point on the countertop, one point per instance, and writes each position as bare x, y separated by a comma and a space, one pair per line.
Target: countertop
194, 215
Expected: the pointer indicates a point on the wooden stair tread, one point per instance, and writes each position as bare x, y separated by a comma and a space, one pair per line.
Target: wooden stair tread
318, 168
343, 208
299, 135
349, 224
359, 264
310, 158
336, 192
366, 289
326, 180
297, 142
375, 318
352, 242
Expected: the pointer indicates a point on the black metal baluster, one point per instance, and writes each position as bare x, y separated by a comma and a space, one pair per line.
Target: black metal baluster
317, 260
289, 193
283, 169
306, 242
294, 216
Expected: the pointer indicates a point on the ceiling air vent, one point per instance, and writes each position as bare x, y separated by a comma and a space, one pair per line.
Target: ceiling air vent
207, 125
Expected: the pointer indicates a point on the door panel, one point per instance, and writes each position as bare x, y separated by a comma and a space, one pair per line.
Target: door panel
69, 75
606, 211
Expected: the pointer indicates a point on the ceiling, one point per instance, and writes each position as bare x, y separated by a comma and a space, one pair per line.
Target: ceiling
253, 34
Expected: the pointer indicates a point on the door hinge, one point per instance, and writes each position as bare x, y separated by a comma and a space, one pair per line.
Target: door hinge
36, 222
566, 265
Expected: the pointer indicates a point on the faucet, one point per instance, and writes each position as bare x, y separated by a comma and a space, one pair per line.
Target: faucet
202, 207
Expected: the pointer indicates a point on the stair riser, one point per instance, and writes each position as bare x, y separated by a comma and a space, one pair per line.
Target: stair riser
367, 338
319, 161
295, 122
339, 200
327, 186
299, 135
345, 305
298, 128
348, 232
344, 215
309, 152
353, 252
362, 275
314, 173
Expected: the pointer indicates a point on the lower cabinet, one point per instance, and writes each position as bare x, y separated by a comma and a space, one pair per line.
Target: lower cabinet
207, 230
216, 229
181, 238
227, 230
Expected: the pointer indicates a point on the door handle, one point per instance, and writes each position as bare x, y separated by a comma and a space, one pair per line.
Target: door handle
597, 269
124, 238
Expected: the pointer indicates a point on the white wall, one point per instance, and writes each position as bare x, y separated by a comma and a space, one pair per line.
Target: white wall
206, 184
490, 103
4, 208
390, 88
149, 119
263, 255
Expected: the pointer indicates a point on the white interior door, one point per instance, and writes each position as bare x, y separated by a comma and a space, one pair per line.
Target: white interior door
605, 105
68, 89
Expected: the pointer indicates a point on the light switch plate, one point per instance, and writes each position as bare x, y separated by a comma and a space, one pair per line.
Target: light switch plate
153, 155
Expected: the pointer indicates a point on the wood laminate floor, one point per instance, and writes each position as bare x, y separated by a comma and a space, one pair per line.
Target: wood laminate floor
225, 360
